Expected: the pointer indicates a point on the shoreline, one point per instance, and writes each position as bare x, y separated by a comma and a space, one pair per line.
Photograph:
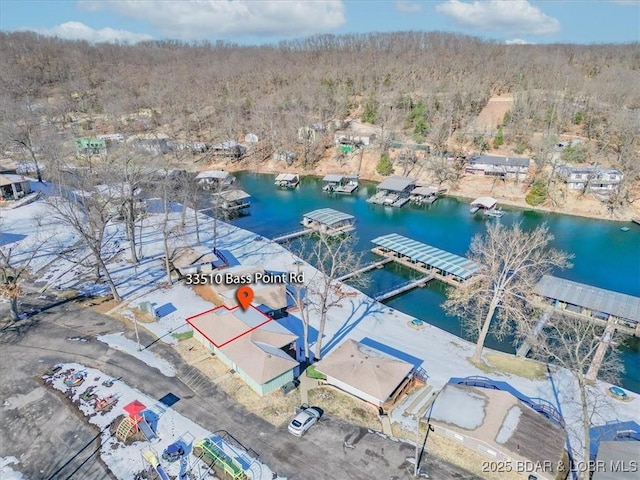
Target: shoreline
460, 195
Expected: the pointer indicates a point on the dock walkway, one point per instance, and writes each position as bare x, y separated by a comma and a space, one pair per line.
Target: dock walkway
405, 287
292, 235
364, 269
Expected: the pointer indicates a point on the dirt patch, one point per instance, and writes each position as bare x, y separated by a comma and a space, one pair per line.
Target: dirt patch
523, 367
207, 293
493, 113
345, 406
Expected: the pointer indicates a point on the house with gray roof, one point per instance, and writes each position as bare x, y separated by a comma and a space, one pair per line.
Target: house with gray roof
498, 166
590, 178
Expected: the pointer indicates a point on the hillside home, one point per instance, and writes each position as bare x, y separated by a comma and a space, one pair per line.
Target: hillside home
496, 166
590, 178
90, 146
14, 187
228, 149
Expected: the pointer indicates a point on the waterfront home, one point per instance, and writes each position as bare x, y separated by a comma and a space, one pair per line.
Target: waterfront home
228, 149
261, 352
14, 187
590, 178
287, 180
348, 138
112, 137
497, 166
215, 179
367, 373
393, 191
90, 146
284, 156
338, 183
233, 202
329, 221
502, 426
186, 260
154, 146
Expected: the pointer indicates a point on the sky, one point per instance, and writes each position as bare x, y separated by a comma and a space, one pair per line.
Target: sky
270, 21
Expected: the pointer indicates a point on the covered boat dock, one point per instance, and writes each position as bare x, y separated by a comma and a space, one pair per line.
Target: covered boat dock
593, 303
424, 195
444, 266
233, 202
329, 221
486, 203
339, 183
394, 191
287, 180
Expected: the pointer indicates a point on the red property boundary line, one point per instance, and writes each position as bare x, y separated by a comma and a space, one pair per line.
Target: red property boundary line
188, 320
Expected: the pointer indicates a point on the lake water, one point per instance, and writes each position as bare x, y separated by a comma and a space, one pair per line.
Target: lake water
604, 256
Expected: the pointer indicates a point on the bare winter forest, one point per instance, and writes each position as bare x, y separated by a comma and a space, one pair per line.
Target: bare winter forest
421, 87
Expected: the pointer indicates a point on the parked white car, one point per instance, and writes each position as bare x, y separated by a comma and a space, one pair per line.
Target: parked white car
304, 420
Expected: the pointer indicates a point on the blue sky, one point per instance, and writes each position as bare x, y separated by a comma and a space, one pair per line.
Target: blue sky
266, 21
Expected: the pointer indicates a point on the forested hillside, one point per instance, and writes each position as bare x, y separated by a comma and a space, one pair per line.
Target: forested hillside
424, 87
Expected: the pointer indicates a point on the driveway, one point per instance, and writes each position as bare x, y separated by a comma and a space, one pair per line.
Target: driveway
47, 434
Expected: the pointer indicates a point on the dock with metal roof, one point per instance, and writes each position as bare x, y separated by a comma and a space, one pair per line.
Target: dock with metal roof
393, 191
593, 303
444, 266
329, 221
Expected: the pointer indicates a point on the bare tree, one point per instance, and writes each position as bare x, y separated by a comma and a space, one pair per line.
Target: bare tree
332, 257
511, 262
87, 211
571, 342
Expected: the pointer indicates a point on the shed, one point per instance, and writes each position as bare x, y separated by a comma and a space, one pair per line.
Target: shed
14, 187
364, 372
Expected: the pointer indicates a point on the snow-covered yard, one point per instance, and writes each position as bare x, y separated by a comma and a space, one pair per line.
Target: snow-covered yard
357, 316
169, 426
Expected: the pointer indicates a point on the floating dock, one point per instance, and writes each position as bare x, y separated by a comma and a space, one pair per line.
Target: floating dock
329, 221
292, 235
287, 180
405, 287
394, 191
364, 269
338, 183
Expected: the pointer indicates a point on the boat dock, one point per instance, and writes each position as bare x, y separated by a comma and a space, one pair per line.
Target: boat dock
405, 287
444, 266
364, 269
292, 235
524, 349
394, 191
338, 183
329, 221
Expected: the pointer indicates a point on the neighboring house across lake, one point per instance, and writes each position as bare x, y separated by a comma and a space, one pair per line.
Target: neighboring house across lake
90, 146
590, 178
497, 166
228, 149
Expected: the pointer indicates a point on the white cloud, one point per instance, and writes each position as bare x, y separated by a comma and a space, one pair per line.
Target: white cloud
518, 41
508, 16
202, 19
407, 6
80, 31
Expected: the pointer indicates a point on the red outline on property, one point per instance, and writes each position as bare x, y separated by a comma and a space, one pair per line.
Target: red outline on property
268, 319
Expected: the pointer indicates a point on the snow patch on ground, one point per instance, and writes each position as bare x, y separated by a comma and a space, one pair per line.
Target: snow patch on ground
124, 460
118, 341
8, 473
509, 425
459, 407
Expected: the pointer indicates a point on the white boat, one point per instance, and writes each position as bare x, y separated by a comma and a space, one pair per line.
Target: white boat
494, 212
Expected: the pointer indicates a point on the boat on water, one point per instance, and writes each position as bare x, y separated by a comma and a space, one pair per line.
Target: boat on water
287, 180
625, 229
494, 212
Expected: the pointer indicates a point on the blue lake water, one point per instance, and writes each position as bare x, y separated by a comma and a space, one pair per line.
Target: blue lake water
604, 256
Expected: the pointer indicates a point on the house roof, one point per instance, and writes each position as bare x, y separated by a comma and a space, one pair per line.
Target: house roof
587, 296
328, 216
396, 183
273, 296
333, 177
567, 170
484, 202
186, 256
500, 420
500, 161
250, 339
11, 178
365, 369
617, 453
421, 252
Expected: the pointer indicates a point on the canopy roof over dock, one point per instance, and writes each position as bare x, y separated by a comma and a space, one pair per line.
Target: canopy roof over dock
286, 177
213, 174
396, 183
426, 191
421, 252
586, 296
333, 177
329, 216
233, 195
484, 202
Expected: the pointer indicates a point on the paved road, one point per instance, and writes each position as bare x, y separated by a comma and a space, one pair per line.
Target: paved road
42, 425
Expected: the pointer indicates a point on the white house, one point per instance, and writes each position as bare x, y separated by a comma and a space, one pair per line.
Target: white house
590, 178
